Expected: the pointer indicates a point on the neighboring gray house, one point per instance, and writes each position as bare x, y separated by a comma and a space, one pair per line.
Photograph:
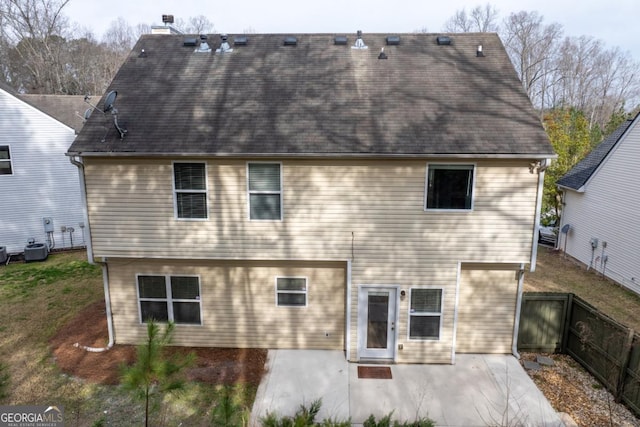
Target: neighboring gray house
601, 195
39, 185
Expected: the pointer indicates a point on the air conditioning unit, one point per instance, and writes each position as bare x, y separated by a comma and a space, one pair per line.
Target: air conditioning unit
36, 252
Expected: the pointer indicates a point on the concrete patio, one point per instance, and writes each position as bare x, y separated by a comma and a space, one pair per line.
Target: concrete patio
479, 390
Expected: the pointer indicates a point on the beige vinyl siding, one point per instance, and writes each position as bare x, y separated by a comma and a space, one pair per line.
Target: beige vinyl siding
608, 211
486, 311
370, 212
330, 208
239, 303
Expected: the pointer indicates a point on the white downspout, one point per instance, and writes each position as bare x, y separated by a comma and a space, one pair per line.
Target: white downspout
105, 271
83, 196
516, 325
540, 168
107, 302
348, 314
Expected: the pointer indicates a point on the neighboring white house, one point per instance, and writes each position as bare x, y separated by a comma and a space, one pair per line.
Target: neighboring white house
39, 187
601, 196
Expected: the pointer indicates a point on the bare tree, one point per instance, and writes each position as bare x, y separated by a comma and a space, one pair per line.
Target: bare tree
120, 36
531, 46
34, 37
593, 79
196, 25
481, 19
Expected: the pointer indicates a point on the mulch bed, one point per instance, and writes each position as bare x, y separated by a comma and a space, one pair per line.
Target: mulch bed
89, 328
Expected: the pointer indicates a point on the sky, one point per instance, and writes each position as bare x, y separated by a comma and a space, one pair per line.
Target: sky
613, 22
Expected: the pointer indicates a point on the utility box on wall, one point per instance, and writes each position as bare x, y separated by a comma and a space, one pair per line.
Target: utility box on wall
48, 224
3, 254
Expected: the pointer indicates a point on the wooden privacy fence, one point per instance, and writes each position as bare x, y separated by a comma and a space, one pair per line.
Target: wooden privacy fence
565, 323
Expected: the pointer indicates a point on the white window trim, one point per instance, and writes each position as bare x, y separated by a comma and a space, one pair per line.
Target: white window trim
431, 314
9, 160
169, 299
175, 191
249, 193
473, 186
305, 292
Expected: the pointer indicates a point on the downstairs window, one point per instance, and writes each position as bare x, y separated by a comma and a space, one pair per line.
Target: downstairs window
169, 298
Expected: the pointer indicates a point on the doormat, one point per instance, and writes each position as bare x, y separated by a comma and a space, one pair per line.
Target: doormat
374, 372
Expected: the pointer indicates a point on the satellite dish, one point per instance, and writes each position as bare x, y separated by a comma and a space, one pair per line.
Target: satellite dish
87, 113
109, 100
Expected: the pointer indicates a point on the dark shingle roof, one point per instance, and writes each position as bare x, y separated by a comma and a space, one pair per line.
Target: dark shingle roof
63, 108
67, 109
582, 171
318, 98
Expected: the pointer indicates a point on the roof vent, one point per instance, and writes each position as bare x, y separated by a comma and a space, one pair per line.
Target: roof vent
240, 40
224, 46
382, 55
204, 46
479, 51
393, 40
290, 41
190, 41
443, 40
143, 54
359, 44
340, 40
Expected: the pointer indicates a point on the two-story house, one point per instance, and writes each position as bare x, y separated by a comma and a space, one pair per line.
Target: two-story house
376, 194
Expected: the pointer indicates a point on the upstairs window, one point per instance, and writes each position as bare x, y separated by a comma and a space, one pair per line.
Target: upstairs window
5, 160
169, 298
449, 187
265, 191
190, 190
291, 291
425, 314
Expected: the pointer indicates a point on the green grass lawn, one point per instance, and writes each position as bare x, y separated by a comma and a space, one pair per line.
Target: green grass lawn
557, 273
36, 300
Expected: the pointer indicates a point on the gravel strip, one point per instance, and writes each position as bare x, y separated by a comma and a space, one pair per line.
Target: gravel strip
571, 389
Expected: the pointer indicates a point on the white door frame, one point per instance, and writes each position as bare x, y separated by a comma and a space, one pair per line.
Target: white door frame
390, 352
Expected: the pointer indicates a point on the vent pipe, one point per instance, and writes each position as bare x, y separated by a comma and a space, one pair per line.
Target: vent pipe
204, 46
224, 46
382, 55
479, 51
359, 44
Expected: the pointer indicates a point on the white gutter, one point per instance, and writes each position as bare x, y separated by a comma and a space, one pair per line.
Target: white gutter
516, 324
491, 156
107, 302
543, 165
83, 198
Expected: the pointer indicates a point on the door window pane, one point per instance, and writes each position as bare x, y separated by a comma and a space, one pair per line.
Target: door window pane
378, 319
